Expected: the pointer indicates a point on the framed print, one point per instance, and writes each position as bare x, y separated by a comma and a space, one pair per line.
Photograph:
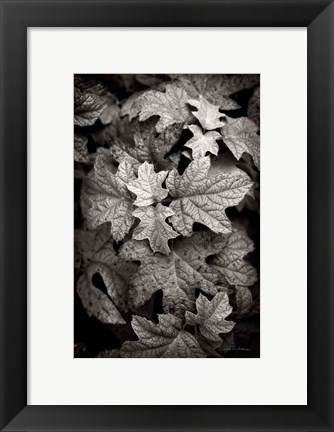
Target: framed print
174, 103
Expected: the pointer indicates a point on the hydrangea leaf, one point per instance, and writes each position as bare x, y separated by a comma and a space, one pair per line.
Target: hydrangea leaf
244, 299
114, 272
158, 272
229, 261
211, 316
178, 275
165, 339
239, 243
217, 89
128, 108
153, 147
193, 251
153, 227
96, 303
201, 143
111, 111
148, 146
147, 186
121, 153
89, 85
207, 114
198, 198
170, 106
240, 135
254, 106
88, 242
111, 201
80, 148
87, 107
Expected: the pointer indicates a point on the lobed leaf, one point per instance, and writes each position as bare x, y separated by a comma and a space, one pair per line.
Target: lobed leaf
240, 135
211, 316
148, 185
87, 107
153, 227
201, 143
115, 272
170, 106
110, 199
165, 339
198, 198
229, 261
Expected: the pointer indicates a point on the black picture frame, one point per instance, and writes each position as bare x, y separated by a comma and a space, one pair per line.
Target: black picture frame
16, 17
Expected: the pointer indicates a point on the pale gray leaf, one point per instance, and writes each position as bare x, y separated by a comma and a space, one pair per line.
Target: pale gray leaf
147, 186
230, 261
165, 339
211, 316
198, 198
178, 275
240, 135
217, 89
170, 106
201, 143
80, 148
110, 199
207, 114
153, 227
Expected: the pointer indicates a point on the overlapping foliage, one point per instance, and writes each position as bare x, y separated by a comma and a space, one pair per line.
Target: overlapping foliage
166, 215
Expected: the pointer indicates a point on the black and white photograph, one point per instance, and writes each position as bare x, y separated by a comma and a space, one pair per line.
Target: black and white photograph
167, 215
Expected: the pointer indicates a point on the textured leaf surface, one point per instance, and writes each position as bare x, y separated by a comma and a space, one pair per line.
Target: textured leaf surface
217, 89
87, 107
111, 110
244, 299
96, 303
121, 153
240, 135
128, 107
211, 316
201, 143
178, 275
170, 106
165, 339
86, 84
153, 227
193, 252
110, 199
148, 185
207, 114
114, 272
88, 242
167, 186
230, 260
80, 148
198, 198
254, 107
153, 147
